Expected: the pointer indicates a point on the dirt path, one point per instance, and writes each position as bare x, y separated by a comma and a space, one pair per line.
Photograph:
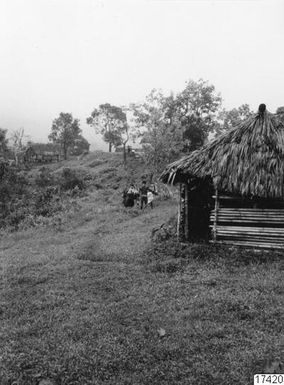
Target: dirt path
99, 246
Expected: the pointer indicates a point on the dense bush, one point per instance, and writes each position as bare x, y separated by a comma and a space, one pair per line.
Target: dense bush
47, 201
13, 188
45, 178
71, 179
25, 204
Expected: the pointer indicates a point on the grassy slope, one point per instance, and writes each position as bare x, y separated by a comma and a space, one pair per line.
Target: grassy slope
84, 305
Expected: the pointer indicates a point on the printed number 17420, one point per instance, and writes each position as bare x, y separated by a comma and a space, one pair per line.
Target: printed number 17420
268, 379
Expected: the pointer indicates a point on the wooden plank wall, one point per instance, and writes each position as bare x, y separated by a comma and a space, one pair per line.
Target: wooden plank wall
253, 227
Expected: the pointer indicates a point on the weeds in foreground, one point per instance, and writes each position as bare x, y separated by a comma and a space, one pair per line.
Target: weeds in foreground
167, 254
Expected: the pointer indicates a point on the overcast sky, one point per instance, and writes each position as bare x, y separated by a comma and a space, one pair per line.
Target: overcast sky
72, 55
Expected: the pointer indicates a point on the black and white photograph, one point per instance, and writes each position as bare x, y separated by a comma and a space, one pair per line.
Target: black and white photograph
141, 192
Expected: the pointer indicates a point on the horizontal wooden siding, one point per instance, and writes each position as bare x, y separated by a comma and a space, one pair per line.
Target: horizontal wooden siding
249, 227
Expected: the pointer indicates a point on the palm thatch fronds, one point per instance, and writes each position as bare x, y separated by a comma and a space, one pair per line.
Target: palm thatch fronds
247, 160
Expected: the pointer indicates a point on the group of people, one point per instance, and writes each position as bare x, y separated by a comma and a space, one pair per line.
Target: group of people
143, 196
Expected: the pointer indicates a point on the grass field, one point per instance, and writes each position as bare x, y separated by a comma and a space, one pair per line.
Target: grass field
94, 301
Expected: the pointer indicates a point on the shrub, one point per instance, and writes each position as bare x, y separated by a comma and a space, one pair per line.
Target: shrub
70, 180
15, 218
13, 187
165, 232
47, 201
45, 178
24, 205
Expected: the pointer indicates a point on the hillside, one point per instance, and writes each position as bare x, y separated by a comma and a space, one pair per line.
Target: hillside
90, 299
105, 168
106, 171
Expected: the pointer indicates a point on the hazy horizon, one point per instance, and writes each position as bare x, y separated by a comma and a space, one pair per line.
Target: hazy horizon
71, 56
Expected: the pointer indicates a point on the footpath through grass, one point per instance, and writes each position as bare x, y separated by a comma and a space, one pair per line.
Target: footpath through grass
96, 303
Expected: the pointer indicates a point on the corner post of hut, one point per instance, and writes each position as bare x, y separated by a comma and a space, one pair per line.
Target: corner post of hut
182, 214
215, 215
186, 203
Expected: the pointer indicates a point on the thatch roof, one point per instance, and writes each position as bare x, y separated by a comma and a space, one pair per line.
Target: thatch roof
44, 148
246, 160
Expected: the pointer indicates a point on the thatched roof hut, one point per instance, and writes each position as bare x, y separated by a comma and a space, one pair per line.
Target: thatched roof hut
42, 152
247, 160
244, 166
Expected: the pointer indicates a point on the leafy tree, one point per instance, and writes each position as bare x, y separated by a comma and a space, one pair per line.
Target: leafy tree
196, 107
110, 121
231, 118
64, 131
161, 146
280, 113
13, 186
3, 143
125, 134
17, 139
173, 124
160, 133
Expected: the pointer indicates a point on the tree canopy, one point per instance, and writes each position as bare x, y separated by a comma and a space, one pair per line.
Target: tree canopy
3, 143
65, 129
280, 113
17, 139
231, 118
170, 125
160, 133
197, 108
109, 121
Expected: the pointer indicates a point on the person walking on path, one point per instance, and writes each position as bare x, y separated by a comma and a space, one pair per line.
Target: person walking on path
143, 195
130, 195
146, 195
150, 195
150, 198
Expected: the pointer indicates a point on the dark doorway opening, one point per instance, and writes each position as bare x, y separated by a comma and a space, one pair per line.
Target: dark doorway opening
199, 204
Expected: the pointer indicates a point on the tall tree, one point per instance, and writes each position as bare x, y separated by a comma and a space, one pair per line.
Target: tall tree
3, 143
197, 107
161, 145
160, 133
280, 113
231, 118
109, 121
125, 133
65, 129
174, 124
17, 143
